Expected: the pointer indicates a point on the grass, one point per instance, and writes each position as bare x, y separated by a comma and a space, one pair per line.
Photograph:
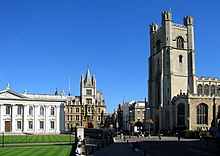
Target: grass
14, 139
26, 145
36, 151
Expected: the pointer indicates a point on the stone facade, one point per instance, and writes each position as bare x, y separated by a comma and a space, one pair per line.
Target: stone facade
177, 97
45, 113
89, 108
31, 113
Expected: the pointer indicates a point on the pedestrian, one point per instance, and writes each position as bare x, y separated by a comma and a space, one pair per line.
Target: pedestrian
178, 136
79, 139
122, 136
78, 150
200, 136
159, 136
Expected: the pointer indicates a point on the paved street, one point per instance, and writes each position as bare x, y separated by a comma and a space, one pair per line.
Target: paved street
155, 147
171, 146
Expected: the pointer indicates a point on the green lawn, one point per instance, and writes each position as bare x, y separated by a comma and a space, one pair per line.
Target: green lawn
36, 151
9, 139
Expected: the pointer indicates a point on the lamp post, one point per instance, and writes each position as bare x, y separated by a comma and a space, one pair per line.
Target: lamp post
148, 123
130, 120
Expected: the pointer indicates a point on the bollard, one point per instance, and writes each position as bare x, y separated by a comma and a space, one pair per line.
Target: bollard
127, 142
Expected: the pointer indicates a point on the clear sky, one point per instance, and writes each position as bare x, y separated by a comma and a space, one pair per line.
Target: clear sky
43, 42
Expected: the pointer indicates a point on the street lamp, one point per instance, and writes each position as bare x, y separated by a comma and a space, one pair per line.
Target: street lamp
149, 122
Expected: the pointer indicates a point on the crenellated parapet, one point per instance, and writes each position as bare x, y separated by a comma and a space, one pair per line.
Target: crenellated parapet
203, 78
178, 25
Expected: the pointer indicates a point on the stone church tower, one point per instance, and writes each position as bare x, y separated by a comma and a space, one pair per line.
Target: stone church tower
171, 66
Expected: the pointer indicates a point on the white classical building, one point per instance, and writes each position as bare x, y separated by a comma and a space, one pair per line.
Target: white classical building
31, 113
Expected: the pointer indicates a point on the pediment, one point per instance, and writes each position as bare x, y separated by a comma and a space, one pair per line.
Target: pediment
8, 94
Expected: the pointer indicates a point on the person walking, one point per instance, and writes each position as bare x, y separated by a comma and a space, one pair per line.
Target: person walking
78, 150
159, 136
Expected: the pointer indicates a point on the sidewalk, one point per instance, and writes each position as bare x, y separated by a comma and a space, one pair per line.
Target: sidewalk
119, 148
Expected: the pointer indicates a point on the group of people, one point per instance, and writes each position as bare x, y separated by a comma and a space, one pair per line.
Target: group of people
78, 150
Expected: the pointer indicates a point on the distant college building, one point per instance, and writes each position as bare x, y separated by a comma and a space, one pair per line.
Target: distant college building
177, 97
88, 109
44, 113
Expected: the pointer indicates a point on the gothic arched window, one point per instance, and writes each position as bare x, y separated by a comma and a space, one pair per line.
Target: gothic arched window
158, 88
212, 90
41, 110
206, 90
180, 42
158, 45
199, 89
202, 114
181, 115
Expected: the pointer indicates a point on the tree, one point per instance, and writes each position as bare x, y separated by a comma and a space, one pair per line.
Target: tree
149, 121
132, 123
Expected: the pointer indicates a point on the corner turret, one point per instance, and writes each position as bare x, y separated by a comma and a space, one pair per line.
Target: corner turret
153, 27
166, 16
188, 20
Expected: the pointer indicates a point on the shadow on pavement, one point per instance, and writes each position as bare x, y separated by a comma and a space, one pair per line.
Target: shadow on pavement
72, 153
118, 149
179, 148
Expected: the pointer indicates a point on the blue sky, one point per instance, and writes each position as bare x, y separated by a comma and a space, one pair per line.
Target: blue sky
43, 42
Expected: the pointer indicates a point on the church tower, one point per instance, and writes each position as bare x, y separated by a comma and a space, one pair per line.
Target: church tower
171, 67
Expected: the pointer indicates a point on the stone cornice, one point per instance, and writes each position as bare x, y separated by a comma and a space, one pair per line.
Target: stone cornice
44, 100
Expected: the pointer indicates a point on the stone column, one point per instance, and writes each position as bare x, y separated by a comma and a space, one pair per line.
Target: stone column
13, 117
46, 119
36, 121
24, 120
57, 121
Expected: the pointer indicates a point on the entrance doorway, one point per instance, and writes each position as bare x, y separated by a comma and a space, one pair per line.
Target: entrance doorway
7, 126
